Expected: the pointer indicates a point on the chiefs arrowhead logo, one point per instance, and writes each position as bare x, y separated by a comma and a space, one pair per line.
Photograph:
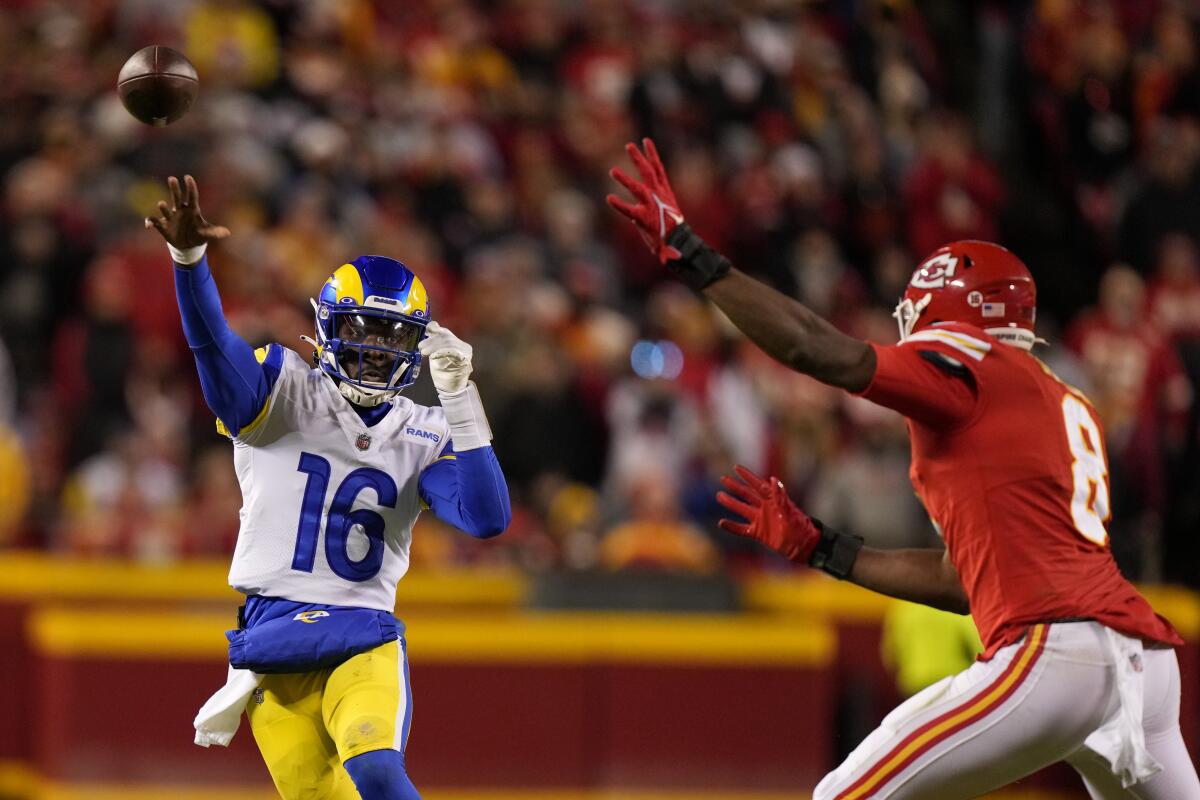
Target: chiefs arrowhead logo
934, 273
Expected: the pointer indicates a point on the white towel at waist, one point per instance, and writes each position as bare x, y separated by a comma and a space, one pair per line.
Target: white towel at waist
221, 714
1122, 739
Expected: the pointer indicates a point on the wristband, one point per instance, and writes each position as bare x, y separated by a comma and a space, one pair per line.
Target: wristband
188, 255
835, 552
469, 429
698, 264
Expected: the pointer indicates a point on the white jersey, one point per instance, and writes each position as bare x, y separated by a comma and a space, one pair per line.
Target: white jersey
328, 503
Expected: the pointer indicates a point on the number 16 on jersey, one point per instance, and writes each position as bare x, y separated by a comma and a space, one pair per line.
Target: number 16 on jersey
341, 521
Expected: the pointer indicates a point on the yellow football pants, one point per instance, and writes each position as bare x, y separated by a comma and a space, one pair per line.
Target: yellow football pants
308, 724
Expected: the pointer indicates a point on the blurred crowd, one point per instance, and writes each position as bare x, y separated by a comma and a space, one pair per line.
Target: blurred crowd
825, 146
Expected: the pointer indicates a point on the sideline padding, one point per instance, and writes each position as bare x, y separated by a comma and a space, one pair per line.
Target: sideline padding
33, 576
553, 637
810, 594
38, 576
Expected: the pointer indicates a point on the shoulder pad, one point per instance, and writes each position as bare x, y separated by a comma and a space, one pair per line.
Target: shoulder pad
974, 347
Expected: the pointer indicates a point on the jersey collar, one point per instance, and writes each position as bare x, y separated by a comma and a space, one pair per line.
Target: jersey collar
391, 414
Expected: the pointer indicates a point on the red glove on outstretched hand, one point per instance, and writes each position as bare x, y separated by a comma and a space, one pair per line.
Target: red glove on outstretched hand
657, 212
773, 518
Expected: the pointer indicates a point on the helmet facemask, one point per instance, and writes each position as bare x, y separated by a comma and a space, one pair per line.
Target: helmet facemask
907, 313
371, 353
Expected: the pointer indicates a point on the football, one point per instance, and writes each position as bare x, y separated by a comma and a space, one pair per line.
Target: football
158, 85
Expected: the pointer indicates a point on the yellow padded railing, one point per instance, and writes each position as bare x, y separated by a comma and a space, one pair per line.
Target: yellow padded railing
32, 576
525, 637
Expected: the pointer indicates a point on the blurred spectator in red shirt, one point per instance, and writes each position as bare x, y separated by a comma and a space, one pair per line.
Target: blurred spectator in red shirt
1175, 289
1131, 366
952, 192
1139, 390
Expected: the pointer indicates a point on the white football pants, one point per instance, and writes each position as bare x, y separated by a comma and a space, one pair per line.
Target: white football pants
1077, 692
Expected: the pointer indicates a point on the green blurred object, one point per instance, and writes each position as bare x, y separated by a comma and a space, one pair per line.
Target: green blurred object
922, 645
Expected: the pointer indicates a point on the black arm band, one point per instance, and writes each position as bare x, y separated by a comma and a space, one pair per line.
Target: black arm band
836, 552
698, 264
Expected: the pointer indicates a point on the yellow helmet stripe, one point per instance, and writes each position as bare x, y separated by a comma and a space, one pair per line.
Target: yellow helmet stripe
418, 299
348, 283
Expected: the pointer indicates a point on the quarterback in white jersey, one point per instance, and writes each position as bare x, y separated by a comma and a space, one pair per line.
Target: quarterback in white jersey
334, 467
310, 452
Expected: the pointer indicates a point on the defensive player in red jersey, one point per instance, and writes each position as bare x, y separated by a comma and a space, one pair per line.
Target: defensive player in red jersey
1010, 463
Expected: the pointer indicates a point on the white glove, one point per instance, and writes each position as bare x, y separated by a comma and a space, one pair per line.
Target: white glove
449, 359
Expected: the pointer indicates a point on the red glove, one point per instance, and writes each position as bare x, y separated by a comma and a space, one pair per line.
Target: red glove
773, 518
657, 212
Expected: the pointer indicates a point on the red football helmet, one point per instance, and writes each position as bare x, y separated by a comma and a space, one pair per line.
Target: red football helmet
975, 282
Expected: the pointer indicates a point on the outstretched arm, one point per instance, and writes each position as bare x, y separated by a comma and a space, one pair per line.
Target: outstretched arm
790, 332
784, 328
921, 576
235, 384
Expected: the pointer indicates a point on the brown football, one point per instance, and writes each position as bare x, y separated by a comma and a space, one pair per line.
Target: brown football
158, 85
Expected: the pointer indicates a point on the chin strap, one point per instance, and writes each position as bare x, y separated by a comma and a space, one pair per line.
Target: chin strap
364, 397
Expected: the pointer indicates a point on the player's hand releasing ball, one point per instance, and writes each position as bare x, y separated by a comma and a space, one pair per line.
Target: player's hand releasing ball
656, 212
181, 223
773, 518
449, 359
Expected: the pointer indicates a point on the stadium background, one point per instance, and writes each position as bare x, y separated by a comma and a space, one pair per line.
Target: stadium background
612, 643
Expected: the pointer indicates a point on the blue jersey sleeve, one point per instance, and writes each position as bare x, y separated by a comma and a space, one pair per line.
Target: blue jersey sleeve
468, 491
235, 380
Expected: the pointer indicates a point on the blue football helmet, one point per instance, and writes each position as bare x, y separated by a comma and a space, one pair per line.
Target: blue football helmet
371, 314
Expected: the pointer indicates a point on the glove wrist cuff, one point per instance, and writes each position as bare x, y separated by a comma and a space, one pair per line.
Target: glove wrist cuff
469, 429
835, 552
698, 264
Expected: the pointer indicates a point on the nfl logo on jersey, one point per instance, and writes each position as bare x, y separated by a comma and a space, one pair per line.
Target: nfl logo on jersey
363, 441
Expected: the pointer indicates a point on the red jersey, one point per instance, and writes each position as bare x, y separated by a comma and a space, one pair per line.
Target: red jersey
1010, 463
